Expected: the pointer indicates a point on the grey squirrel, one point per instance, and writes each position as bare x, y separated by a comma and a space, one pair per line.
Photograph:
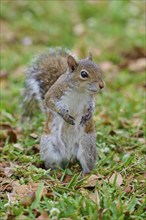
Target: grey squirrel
64, 89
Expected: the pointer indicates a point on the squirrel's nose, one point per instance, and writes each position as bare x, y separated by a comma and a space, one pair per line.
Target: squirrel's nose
101, 85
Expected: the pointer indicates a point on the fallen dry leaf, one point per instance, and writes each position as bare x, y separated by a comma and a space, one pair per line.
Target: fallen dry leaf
139, 134
9, 171
91, 181
116, 177
94, 196
3, 79
22, 189
128, 189
25, 193
34, 136
84, 192
142, 140
6, 131
28, 199
32, 149
79, 29
19, 71
138, 65
43, 216
6, 32
18, 146
104, 117
108, 66
116, 158
3, 74
49, 194
67, 178
2, 144
133, 59
5, 185
136, 122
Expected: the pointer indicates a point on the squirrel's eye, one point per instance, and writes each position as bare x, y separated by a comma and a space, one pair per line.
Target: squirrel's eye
84, 74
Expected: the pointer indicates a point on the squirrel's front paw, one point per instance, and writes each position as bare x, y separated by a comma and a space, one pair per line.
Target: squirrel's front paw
85, 118
68, 118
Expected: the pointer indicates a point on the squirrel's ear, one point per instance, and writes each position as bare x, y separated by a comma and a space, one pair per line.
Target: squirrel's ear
71, 63
90, 56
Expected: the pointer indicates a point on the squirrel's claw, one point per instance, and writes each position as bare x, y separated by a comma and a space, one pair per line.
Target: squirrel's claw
85, 118
69, 119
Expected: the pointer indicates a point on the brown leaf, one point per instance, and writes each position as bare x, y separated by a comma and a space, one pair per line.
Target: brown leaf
32, 149
34, 136
43, 216
135, 53
18, 146
139, 134
5, 185
25, 193
142, 140
3, 74
131, 57
22, 189
119, 179
67, 178
11, 197
34, 186
6, 131
123, 123
92, 181
48, 194
138, 65
84, 192
12, 136
112, 132
3, 79
2, 144
128, 189
79, 29
6, 32
107, 66
105, 118
9, 171
94, 196
136, 122
19, 71
15, 183
28, 199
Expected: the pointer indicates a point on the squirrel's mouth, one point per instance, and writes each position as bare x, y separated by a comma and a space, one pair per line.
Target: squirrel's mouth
93, 90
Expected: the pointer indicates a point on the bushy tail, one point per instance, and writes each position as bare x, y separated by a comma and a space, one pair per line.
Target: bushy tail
40, 76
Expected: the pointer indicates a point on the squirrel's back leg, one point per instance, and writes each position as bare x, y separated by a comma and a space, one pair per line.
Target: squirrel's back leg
86, 154
51, 146
51, 151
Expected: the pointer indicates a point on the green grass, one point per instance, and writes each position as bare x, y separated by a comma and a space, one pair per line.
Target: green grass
107, 29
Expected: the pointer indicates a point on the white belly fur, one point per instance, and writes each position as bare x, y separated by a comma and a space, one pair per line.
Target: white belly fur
64, 136
71, 134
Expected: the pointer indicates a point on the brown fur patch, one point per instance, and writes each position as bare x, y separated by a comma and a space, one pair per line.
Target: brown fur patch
89, 127
47, 126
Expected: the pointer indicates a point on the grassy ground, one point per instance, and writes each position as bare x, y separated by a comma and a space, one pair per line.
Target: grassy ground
114, 32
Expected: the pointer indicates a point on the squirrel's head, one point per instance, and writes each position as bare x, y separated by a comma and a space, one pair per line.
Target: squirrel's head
85, 74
